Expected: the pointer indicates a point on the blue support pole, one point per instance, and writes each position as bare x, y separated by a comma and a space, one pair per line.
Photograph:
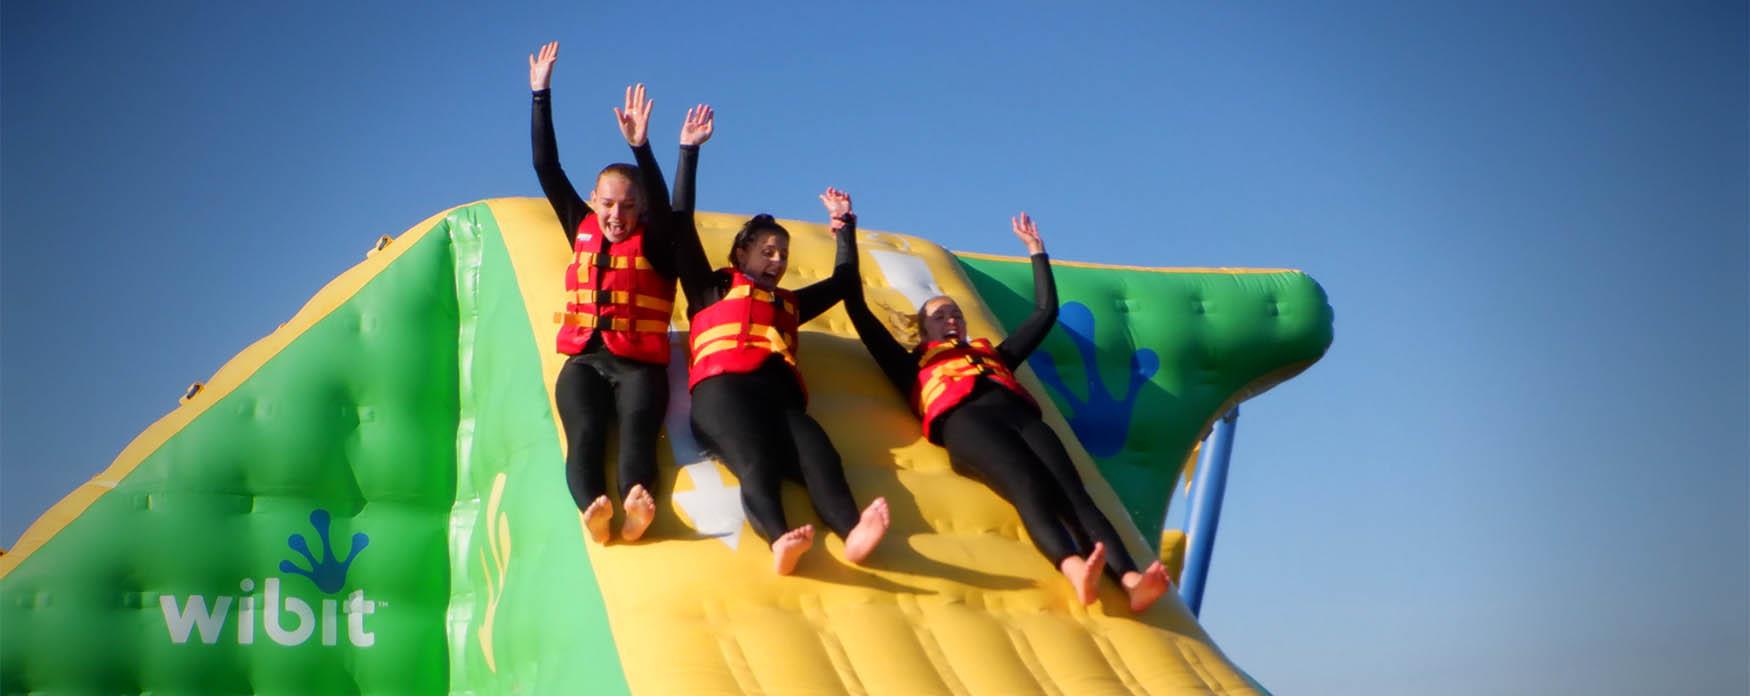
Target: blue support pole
1207, 489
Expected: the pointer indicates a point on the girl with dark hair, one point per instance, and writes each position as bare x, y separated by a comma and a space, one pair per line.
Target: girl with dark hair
969, 400
749, 402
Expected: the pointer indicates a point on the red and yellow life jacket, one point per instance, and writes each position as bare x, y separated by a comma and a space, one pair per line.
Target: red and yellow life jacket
739, 332
948, 371
617, 293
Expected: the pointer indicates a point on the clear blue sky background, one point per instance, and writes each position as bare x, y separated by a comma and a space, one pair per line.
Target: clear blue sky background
1521, 469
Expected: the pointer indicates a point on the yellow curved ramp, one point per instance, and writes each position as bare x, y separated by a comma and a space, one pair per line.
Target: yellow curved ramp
957, 601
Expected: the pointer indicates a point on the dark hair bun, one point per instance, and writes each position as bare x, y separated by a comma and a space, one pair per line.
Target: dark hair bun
750, 231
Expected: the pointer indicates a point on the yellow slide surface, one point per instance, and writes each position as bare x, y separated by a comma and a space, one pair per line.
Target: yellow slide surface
956, 601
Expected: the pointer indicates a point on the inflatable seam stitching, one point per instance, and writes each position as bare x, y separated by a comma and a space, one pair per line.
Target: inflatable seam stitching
1029, 657
926, 638
246, 362
1114, 658
830, 643
734, 658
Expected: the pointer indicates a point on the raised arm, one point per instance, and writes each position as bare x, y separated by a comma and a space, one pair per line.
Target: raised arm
814, 300
700, 123
694, 270
634, 120
1031, 332
691, 265
660, 228
569, 206
895, 361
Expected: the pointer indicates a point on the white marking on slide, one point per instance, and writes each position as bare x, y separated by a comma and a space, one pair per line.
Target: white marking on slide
908, 274
714, 508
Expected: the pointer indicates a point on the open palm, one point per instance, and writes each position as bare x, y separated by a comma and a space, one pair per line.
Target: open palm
838, 203
699, 124
1028, 232
541, 66
634, 117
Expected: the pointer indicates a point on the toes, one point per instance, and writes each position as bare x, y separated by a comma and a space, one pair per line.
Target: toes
804, 533
597, 507
596, 518
640, 512
639, 496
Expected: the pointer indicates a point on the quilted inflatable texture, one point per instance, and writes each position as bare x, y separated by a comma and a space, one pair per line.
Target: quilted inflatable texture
371, 500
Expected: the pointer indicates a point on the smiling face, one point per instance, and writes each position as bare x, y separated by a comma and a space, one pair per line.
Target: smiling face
615, 202
764, 258
940, 319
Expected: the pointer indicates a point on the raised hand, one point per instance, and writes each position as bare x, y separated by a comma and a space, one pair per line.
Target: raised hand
635, 116
1029, 234
541, 66
838, 206
697, 128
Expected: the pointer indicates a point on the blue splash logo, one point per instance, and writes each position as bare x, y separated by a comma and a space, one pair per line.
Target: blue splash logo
209, 616
329, 574
1101, 422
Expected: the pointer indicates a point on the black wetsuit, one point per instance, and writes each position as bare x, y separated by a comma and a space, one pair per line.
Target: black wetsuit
996, 436
757, 422
595, 385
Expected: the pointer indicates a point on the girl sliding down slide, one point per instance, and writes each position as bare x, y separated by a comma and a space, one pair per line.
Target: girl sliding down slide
967, 395
620, 288
749, 403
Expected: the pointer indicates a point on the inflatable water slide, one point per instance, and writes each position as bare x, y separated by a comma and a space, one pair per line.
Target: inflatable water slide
371, 499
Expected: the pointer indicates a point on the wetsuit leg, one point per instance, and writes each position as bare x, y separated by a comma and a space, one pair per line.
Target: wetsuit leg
586, 403
822, 472
641, 399
1043, 442
983, 441
730, 417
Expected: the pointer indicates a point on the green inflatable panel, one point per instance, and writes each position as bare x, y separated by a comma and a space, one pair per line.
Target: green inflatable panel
1143, 360
318, 525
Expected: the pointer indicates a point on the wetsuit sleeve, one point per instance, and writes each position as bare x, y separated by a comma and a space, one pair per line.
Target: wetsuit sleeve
895, 361
566, 203
1031, 333
685, 175
671, 251
814, 300
659, 231
650, 179
691, 266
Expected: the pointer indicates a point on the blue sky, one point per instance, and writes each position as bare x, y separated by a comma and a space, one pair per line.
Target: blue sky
1521, 469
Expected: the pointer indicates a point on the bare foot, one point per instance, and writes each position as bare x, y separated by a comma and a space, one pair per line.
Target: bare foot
640, 510
1084, 575
788, 549
868, 532
597, 517
1146, 587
